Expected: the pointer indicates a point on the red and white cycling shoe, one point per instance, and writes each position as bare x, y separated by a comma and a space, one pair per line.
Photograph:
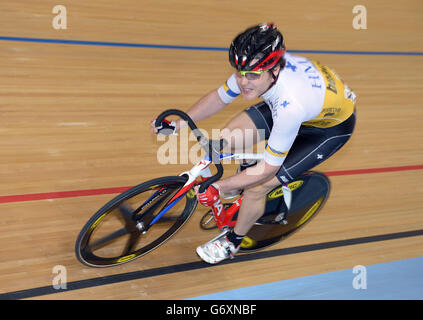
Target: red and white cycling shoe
217, 249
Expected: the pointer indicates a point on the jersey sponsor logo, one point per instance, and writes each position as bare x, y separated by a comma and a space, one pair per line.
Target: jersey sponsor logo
331, 84
331, 111
336, 107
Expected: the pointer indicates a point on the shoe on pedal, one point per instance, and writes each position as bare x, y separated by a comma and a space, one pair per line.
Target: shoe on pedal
217, 249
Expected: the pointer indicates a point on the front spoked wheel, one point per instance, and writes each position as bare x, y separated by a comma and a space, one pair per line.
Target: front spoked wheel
128, 226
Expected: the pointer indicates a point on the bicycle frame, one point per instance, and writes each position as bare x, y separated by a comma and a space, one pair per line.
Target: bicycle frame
223, 217
314, 191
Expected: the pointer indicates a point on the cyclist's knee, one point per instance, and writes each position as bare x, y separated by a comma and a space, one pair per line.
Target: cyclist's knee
256, 192
260, 191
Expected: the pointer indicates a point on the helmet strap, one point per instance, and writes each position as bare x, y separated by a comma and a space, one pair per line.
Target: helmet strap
275, 78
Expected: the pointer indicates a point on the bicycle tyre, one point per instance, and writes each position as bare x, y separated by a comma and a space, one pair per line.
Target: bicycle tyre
116, 210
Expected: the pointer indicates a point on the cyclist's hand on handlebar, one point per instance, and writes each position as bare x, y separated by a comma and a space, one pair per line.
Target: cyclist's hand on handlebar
165, 127
209, 197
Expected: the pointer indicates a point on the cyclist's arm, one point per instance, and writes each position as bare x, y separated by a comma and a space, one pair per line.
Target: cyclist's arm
207, 106
214, 101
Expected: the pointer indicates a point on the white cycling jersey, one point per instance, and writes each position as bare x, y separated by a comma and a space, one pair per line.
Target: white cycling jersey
305, 93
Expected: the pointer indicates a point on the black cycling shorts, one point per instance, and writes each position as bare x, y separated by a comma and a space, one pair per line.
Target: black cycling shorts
312, 145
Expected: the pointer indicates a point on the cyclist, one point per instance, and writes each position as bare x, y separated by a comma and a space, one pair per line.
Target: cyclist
307, 114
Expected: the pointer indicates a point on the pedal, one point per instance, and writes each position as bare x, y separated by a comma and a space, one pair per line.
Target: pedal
207, 221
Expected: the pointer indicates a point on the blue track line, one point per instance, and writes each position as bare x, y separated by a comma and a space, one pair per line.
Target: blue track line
175, 47
111, 44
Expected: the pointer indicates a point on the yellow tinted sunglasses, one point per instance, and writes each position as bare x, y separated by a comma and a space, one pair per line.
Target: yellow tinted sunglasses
251, 75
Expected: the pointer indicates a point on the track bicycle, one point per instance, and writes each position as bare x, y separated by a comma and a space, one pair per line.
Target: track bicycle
145, 216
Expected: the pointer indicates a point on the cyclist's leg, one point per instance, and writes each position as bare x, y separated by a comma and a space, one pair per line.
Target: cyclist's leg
227, 244
313, 146
253, 205
254, 198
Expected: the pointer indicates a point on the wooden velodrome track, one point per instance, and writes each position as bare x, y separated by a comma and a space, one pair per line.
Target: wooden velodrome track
75, 120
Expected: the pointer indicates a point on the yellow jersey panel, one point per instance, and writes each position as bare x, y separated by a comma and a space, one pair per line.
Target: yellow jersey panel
339, 101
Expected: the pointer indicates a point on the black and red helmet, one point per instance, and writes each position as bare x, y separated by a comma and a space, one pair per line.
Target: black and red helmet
263, 42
